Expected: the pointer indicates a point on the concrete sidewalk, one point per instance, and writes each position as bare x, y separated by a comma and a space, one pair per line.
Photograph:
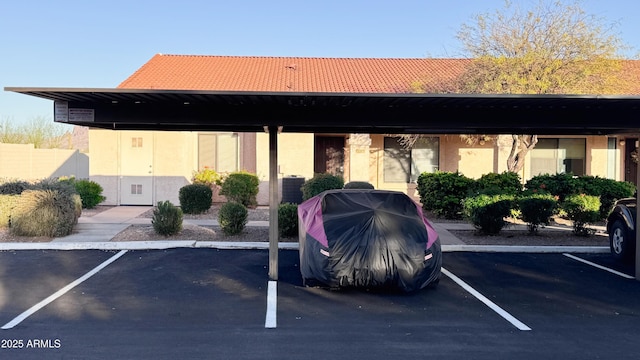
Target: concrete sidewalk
104, 226
96, 232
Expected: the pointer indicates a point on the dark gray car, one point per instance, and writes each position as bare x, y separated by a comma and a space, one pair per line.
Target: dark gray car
621, 226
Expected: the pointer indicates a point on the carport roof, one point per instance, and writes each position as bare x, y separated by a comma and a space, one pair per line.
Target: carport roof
251, 111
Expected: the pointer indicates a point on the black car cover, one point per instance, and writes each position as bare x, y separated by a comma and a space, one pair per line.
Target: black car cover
367, 238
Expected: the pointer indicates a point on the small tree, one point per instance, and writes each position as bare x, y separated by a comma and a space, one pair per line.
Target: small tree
553, 48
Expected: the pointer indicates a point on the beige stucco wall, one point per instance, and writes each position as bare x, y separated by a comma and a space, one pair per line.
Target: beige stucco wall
597, 152
103, 167
295, 158
25, 162
173, 165
174, 160
471, 161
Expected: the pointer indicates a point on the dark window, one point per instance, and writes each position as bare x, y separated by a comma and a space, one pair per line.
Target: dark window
558, 156
403, 165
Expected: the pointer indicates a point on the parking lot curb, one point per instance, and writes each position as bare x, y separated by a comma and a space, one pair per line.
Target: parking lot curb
225, 245
525, 249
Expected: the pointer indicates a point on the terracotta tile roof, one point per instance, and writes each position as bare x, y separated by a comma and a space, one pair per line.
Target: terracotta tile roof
301, 74
281, 74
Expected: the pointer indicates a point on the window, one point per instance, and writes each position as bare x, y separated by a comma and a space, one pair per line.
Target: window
558, 156
218, 151
402, 165
136, 189
136, 142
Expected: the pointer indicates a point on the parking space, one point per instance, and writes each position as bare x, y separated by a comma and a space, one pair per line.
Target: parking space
196, 303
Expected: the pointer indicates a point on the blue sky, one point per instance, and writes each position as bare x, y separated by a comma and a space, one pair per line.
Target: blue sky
85, 43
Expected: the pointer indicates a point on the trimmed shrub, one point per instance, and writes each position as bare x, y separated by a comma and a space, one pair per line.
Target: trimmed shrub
358, 185
7, 203
241, 187
508, 183
90, 192
207, 177
14, 187
607, 189
288, 220
232, 218
487, 212
442, 192
537, 210
319, 183
43, 213
560, 185
582, 210
167, 218
195, 198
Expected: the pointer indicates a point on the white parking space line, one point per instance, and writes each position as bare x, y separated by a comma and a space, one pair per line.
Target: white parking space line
272, 305
599, 266
20, 318
515, 322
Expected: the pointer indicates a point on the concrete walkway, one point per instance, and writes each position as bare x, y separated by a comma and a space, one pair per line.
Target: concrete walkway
96, 232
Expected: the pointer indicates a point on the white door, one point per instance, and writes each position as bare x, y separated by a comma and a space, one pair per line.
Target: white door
136, 168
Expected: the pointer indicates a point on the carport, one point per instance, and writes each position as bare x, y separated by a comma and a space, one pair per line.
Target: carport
275, 112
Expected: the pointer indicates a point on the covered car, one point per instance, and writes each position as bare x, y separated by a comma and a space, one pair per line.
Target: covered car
367, 239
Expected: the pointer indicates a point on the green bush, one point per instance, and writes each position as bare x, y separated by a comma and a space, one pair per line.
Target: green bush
582, 210
195, 198
167, 218
207, 177
43, 212
508, 183
564, 185
607, 189
442, 192
232, 218
319, 183
65, 188
7, 203
358, 185
241, 187
537, 210
487, 212
14, 187
90, 192
288, 220
560, 185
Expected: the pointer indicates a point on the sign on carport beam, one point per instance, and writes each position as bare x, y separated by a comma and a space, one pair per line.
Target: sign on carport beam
62, 113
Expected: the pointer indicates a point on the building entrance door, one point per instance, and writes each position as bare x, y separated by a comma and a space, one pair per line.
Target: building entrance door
329, 155
136, 168
632, 148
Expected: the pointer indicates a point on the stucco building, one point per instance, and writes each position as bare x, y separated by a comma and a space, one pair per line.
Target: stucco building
143, 167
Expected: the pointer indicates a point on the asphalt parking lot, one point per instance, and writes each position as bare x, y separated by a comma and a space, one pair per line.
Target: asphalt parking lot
208, 303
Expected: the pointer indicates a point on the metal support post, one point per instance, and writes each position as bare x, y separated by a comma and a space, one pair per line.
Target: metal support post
273, 203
